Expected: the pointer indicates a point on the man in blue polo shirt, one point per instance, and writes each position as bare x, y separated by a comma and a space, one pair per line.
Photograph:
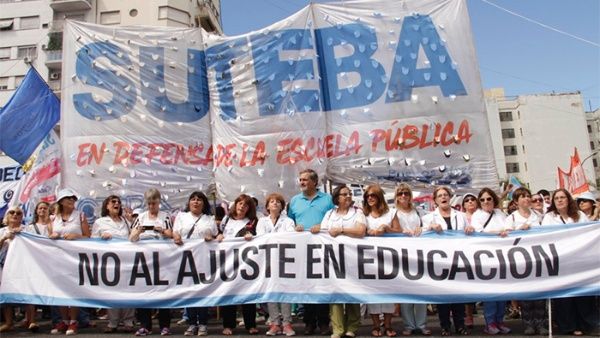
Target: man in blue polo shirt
307, 209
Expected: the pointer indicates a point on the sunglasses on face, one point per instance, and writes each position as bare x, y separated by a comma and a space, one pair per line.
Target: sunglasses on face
485, 199
115, 202
537, 200
371, 196
15, 212
403, 193
470, 199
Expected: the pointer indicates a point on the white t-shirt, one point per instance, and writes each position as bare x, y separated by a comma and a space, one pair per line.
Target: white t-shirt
43, 229
69, 226
283, 224
205, 225
409, 220
458, 220
552, 218
163, 220
4, 248
373, 223
515, 220
496, 223
106, 224
334, 220
230, 227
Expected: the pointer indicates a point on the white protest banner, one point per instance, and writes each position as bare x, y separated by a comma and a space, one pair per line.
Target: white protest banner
556, 261
362, 91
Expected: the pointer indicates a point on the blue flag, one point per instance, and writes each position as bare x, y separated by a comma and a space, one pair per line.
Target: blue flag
27, 117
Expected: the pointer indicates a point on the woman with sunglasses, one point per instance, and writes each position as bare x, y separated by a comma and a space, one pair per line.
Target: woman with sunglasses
489, 218
240, 222
444, 218
13, 219
574, 315
469, 205
152, 224
379, 221
112, 224
408, 221
195, 222
69, 224
586, 202
344, 220
537, 203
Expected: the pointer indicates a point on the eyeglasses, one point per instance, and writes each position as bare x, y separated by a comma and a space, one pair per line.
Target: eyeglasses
537, 200
15, 212
402, 193
371, 196
115, 201
485, 199
470, 199
583, 201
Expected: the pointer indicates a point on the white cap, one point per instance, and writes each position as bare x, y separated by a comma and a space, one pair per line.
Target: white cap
65, 193
588, 195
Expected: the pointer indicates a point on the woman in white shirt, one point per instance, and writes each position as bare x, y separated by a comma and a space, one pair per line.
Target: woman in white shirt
574, 315
152, 224
196, 222
490, 219
344, 219
111, 225
379, 221
69, 224
277, 222
41, 224
524, 217
240, 222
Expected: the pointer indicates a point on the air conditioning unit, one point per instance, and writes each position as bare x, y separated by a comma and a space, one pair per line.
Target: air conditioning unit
27, 59
54, 76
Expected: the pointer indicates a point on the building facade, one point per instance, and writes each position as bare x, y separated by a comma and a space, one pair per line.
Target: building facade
593, 128
538, 134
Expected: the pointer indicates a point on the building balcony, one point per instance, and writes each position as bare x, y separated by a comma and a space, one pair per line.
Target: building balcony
54, 58
70, 5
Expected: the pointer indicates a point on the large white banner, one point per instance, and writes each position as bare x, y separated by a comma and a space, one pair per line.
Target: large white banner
362, 91
554, 261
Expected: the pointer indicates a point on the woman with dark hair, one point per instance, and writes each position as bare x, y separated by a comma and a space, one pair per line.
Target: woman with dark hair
574, 315
152, 224
111, 225
196, 222
524, 217
273, 223
490, 219
344, 220
69, 224
41, 223
586, 202
537, 203
379, 221
240, 222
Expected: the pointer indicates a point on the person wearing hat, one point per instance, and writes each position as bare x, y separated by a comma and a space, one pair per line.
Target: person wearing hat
70, 224
586, 202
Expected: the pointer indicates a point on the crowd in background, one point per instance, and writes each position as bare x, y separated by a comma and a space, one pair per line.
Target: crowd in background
334, 214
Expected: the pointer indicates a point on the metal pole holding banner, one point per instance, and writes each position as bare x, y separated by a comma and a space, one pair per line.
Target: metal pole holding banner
549, 303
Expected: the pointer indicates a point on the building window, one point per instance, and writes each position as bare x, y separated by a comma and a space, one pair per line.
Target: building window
595, 162
508, 133
6, 24
592, 145
510, 150
18, 80
512, 167
5, 53
506, 116
174, 14
3, 83
110, 18
30, 22
27, 51
589, 129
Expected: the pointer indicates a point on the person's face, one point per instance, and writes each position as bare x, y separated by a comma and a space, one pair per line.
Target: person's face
306, 184
15, 217
561, 201
585, 206
114, 206
241, 208
345, 198
442, 199
403, 197
537, 202
487, 202
196, 205
274, 206
154, 205
372, 199
524, 202
470, 203
68, 203
42, 211
547, 199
